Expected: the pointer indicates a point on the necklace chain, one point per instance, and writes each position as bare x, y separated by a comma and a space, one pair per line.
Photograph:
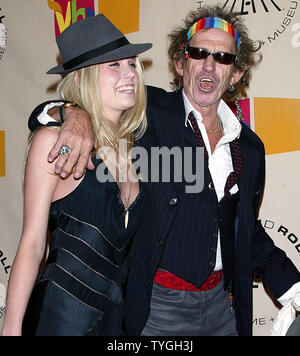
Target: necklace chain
217, 128
122, 190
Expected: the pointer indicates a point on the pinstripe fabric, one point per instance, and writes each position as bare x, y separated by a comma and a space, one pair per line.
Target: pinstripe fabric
254, 250
193, 235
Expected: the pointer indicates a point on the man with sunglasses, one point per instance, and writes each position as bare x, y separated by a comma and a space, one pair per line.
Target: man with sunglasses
194, 257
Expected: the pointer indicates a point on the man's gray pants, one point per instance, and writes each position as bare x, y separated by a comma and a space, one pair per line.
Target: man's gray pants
186, 313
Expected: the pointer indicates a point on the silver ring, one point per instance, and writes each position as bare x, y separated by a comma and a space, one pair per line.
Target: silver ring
64, 150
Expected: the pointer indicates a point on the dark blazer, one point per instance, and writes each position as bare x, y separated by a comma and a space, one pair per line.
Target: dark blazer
254, 253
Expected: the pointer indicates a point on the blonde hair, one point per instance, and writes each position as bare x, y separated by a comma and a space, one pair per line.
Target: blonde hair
133, 121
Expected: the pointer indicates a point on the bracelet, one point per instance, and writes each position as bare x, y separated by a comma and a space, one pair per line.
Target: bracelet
67, 105
62, 107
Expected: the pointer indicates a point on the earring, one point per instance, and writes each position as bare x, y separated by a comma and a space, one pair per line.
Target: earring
245, 75
233, 90
244, 81
239, 114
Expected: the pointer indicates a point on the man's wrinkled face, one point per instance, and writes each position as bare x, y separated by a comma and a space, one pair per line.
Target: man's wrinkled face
205, 81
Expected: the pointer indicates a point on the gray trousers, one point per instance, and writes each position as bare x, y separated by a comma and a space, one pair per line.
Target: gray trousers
185, 313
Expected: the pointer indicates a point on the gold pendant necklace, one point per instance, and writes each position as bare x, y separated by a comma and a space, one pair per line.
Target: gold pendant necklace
126, 204
216, 129
126, 199
121, 184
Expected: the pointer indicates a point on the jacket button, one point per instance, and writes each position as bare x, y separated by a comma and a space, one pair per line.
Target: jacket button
173, 201
211, 186
160, 243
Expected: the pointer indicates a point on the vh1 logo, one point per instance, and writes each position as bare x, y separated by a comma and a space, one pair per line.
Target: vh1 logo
67, 12
123, 14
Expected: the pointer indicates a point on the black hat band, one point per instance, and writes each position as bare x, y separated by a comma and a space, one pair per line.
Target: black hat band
95, 53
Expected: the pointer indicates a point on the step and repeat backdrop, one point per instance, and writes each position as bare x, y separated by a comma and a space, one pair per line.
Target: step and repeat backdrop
271, 104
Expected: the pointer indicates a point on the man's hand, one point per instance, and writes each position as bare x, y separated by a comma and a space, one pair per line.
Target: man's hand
286, 316
296, 303
76, 133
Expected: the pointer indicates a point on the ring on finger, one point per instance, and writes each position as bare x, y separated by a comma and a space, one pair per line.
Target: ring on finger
64, 150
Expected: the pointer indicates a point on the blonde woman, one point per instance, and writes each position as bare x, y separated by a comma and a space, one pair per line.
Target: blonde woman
91, 223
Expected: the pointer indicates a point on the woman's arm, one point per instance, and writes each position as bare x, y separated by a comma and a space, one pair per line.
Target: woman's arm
39, 187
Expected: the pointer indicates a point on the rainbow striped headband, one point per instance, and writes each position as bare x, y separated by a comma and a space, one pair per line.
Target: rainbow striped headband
214, 22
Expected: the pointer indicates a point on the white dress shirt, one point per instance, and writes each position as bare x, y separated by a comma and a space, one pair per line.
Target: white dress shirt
220, 161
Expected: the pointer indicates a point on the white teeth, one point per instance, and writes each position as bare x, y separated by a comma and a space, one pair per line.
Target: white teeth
126, 88
206, 80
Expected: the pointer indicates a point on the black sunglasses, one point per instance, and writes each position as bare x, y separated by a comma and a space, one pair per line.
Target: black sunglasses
202, 53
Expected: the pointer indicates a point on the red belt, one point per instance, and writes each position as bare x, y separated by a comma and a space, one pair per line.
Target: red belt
169, 280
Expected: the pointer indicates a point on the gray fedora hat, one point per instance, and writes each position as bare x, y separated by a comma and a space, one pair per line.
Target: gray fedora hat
92, 41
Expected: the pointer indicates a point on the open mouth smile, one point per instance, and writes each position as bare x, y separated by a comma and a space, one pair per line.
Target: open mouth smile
128, 89
206, 84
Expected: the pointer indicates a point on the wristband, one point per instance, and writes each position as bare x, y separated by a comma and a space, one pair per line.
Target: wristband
62, 107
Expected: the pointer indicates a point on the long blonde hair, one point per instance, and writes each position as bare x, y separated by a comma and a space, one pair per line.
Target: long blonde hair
133, 121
